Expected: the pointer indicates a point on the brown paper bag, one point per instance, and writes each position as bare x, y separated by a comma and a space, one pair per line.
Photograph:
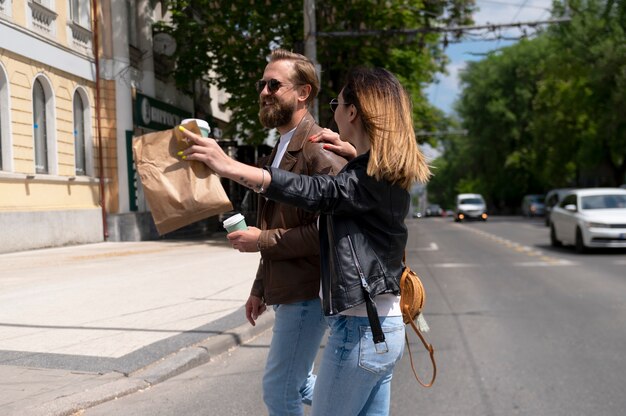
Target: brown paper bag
178, 192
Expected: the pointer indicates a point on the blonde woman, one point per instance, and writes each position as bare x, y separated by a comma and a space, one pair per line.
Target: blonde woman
362, 236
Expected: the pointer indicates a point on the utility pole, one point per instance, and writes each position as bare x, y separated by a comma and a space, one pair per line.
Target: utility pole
310, 46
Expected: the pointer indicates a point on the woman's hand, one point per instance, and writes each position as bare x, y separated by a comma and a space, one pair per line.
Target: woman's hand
333, 142
207, 151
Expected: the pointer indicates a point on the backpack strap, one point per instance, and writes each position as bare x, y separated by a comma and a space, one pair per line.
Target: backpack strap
430, 349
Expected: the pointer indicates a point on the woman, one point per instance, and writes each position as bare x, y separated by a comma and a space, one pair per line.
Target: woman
362, 236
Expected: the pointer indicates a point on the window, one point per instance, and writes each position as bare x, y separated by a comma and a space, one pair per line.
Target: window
39, 128
568, 200
79, 135
44, 137
1, 135
131, 8
6, 8
80, 12
5, 143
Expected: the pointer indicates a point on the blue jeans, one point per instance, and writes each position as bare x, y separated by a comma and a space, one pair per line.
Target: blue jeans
353, 379
288, 381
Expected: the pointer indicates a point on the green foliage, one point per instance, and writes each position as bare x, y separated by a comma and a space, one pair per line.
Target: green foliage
546, 112
232, 39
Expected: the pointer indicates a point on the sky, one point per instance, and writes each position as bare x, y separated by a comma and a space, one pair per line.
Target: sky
446, 91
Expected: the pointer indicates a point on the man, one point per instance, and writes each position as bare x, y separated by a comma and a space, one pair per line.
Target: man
288, 276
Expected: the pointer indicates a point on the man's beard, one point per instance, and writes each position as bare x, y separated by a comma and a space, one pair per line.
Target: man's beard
276, 114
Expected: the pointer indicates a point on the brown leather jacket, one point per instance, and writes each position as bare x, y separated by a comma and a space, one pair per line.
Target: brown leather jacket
289, 270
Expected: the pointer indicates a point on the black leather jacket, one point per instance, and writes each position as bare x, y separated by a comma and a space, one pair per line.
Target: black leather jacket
362, 230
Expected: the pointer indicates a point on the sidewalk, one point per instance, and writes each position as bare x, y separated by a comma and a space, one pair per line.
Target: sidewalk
85, 324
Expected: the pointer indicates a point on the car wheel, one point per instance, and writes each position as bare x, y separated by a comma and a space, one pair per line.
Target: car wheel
580, 243
553, 239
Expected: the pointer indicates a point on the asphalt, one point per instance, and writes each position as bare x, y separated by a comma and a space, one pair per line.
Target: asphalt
82, 325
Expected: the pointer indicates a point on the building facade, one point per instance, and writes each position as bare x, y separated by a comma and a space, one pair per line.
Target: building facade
68, 116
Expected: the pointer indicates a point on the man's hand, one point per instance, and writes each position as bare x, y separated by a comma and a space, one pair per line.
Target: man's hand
245, 240
254, 308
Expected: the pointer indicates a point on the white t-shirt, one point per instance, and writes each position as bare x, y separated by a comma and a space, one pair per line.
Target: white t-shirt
282, 147
387, 304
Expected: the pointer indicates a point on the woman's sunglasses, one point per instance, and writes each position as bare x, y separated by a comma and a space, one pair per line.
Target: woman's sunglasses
334, 103
273, 85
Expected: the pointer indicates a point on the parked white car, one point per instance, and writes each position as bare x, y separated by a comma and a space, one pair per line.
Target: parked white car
592, 217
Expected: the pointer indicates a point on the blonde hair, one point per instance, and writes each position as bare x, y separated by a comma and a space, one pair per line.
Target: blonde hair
386, 113
304, 70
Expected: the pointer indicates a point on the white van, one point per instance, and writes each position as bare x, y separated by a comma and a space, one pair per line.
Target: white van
470, 206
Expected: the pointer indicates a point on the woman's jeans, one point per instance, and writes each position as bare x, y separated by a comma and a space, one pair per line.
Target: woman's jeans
353, 379
288, 380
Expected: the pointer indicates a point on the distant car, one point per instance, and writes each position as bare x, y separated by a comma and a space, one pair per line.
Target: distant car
434, 210
417, 214
533, 205
470, 206
553, 197
592, 217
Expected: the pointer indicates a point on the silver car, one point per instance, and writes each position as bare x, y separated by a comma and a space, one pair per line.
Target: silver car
592, 217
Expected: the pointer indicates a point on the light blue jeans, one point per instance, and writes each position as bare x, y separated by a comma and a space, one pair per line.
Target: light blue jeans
288, 381
353, 379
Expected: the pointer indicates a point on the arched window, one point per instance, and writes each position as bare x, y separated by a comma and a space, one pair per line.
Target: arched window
44, 133
83, 141
5, 136
40, 128
79, 135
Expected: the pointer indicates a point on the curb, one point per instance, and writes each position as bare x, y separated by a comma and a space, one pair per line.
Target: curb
157, 372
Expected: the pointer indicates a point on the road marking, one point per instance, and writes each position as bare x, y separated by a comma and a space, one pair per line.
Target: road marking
432, 247
530, 251
453, 265
544, 263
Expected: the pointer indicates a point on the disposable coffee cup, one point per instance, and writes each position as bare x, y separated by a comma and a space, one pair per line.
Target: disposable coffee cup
202, 125
235, 223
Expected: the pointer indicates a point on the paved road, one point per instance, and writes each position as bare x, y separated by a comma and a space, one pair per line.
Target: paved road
519, 329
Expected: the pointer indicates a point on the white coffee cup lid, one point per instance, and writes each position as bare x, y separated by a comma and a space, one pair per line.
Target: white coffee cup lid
233, 220
202, 124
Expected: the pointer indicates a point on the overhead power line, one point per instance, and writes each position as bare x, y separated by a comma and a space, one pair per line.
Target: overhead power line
450, 29
441, 133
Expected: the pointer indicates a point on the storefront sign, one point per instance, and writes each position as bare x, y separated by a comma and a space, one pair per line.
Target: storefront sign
157, 115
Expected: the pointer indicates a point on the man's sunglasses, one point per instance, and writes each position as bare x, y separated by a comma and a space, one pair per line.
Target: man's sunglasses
334, 103
273, 85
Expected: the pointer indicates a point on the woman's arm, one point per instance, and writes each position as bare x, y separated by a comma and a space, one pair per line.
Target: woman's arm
344, 193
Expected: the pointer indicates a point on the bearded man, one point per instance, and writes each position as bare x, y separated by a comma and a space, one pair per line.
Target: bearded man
288, 277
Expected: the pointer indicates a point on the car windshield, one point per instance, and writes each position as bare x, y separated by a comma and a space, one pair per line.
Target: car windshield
471, 201
536, 198
603, 201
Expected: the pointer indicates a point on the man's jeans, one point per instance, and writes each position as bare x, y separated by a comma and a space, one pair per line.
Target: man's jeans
353, 379
288, 380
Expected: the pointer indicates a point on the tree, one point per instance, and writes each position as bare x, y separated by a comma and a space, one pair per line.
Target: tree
546, 112
585, 92
496, 107
231, 40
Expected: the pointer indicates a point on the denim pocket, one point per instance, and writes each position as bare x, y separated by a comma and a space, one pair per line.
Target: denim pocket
375, 362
